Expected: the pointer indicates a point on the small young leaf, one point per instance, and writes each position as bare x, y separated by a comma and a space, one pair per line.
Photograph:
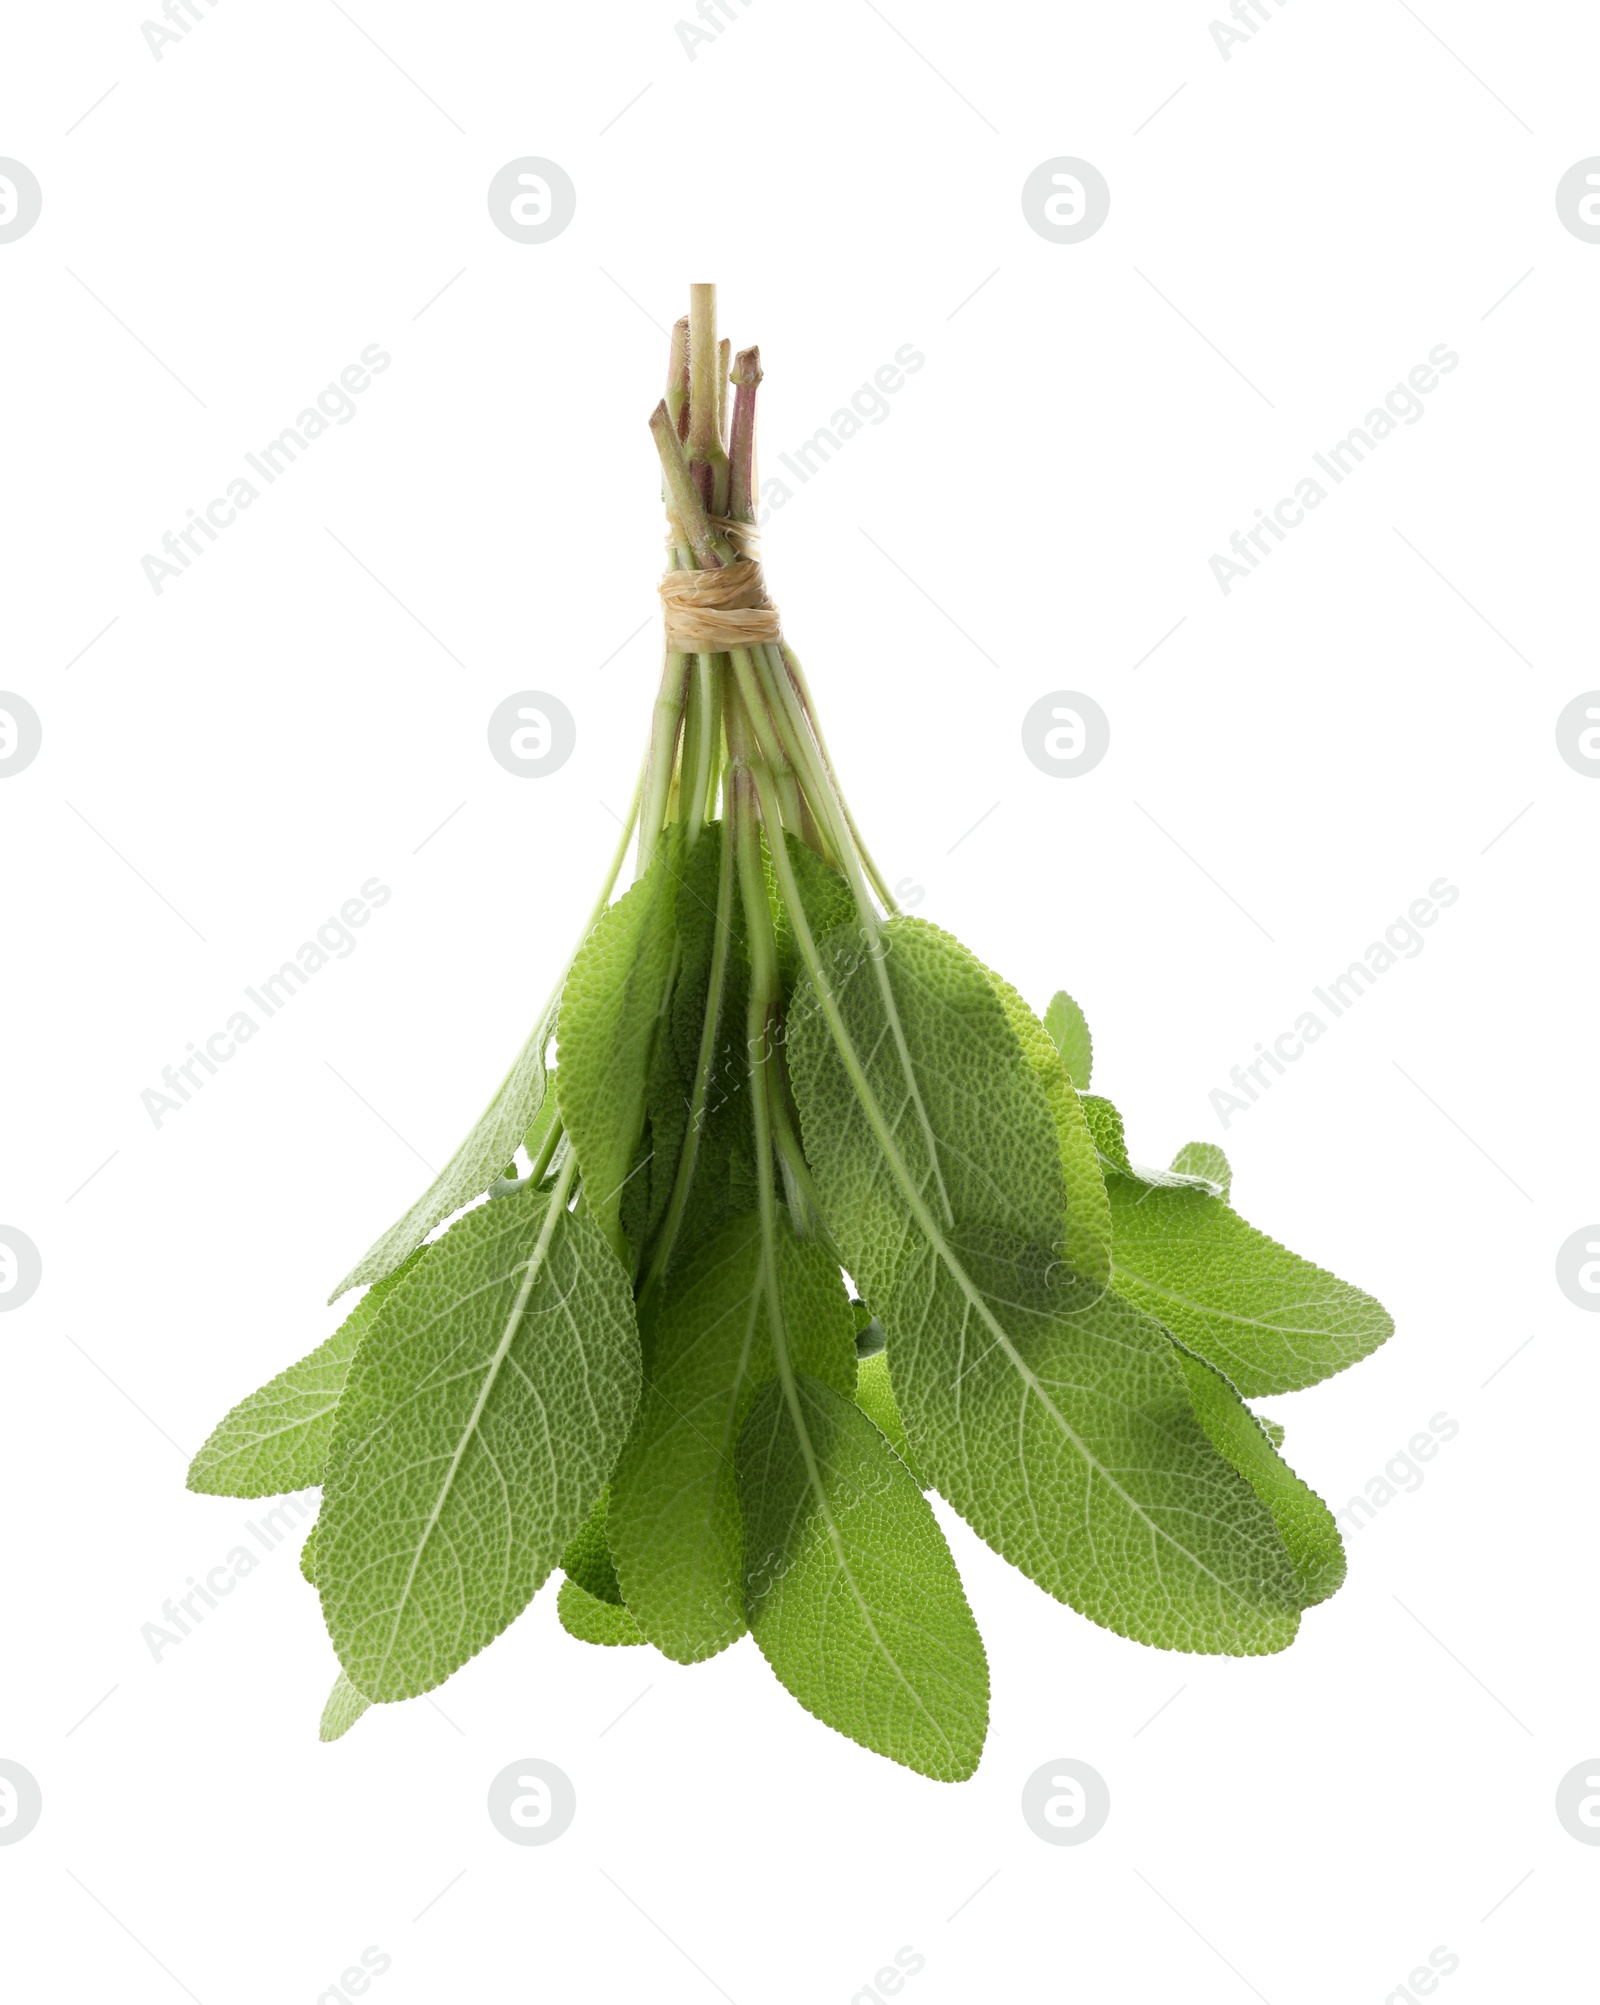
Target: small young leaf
611, 1016
853, 1597
1052, 1415
1087, 1244
592, 1620
1207, 1160
481, 1419
345, 1706
277, 1439
1272, 1429
673, 1522
587, 1559
869, 1331
1244, 1442
1268, 1319
308, 1557
1069, 1033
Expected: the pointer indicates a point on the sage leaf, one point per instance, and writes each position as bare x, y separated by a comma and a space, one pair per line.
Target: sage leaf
1105, 1125
592, 1620
587, 1559
853, 1597
345, 1706
476, 1163
1050, 1413
482, 1416
277, 1439
1208, 1162
611, 1013
875, 1397
673, 1523
1268, 1319
1246, 1443
1087, 1241
699, 1107
1069, 1033
824, 898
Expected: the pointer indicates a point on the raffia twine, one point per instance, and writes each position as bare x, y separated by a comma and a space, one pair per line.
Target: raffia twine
709, 612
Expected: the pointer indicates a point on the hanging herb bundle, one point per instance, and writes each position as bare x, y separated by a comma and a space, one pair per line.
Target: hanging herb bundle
639, 1359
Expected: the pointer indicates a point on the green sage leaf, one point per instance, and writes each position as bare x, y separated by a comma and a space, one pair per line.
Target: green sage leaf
699, 1105
853, 1597
1105, 1125
482, 1416
587, 1559
592, 1620
1246, 1443
673, 1523
1052, 1415
1268, 1319
1205, 1160
825, 898
345, 1706
611, 1016
277, 1439
875, 1397
1069, 1033
1087, 1242
480, 1159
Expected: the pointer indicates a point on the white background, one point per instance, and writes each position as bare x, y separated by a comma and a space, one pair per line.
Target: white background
1292, 765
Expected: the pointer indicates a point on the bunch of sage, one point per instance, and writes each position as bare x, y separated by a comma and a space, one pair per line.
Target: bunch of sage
617, 1336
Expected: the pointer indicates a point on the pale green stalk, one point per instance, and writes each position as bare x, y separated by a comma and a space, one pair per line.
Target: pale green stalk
798, 676
707, 453
666, 724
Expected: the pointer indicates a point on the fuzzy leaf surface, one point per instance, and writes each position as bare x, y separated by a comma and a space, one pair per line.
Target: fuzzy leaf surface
587, 1558
1269, 1320
703, 1027
1207, 1160
592, 1620
673, 1522
277, 1439
480, 1421
1053, 1415
1069, 1033
345, 1706
853, 1597
1245, 1442
1086, 1243
612, 1009
875, 1397
494, 1140
825, 897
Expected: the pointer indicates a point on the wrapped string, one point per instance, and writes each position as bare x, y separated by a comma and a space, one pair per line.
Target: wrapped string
709, 612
